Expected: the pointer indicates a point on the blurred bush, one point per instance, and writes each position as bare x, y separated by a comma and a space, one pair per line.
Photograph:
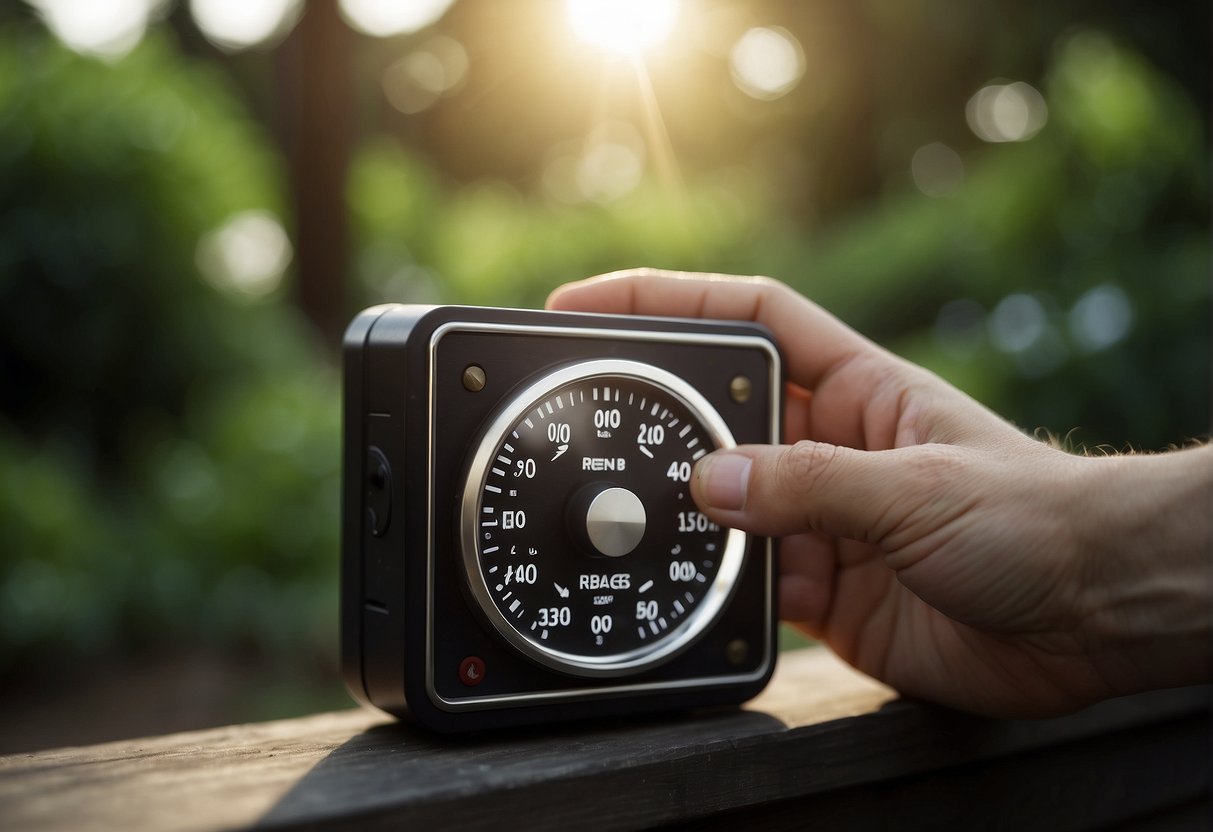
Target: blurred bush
492, 244
1065, 283
168, 444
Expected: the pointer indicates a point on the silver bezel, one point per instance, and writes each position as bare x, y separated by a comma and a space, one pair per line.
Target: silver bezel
648, 655
473, 702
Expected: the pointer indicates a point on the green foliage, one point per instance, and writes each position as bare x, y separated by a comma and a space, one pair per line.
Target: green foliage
1111, 196
493, 245
168, 452
1113, 193
110, 175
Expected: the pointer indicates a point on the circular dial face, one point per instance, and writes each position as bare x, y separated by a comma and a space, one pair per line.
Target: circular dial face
581, 542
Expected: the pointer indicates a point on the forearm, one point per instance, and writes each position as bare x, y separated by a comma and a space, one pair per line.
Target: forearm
1148, 546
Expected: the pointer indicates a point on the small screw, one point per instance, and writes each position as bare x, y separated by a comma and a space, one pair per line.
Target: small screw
740, 389
473, 378
736, 651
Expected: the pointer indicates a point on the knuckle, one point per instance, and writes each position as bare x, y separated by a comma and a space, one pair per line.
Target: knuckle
804, 467
776, 291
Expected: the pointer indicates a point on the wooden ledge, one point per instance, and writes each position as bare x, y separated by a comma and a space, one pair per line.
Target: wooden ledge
823, 742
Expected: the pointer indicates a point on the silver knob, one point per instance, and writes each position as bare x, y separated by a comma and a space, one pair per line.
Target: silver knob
615, 522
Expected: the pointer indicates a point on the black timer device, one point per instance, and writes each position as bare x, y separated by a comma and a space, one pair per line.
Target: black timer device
519, 541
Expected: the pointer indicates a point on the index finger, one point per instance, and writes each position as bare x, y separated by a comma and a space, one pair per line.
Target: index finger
815, 343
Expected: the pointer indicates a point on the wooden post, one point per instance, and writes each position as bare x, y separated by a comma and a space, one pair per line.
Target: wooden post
316, 96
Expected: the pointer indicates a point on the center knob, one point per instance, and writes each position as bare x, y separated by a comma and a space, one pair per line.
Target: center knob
615, 522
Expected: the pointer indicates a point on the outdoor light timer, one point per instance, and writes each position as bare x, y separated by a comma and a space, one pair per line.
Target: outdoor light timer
520, 544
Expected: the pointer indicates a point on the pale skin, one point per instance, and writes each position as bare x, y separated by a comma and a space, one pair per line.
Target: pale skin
933, 545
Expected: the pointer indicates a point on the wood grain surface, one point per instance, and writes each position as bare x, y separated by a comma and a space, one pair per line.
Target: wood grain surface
823, 741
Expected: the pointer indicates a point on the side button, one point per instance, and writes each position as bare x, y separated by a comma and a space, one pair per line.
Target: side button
378, 494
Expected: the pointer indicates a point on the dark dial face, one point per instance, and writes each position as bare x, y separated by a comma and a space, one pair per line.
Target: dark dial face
580, 539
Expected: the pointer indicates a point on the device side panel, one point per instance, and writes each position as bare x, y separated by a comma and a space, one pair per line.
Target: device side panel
353, 521
389, 456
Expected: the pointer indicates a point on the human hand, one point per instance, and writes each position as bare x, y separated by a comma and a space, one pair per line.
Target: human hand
930, 543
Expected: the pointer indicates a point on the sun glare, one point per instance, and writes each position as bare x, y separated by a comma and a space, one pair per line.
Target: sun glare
386, 18
234, 25
624, 26
102, 28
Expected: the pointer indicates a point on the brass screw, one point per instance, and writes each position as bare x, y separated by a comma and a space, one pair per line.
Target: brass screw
736, 650
740, 389
473, 378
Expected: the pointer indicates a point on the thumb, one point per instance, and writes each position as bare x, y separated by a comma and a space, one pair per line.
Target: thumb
777, 490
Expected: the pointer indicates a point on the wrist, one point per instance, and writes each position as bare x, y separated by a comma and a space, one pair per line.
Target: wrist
1147, 531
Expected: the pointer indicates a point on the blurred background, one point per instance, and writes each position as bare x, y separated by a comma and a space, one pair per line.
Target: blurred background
196, 196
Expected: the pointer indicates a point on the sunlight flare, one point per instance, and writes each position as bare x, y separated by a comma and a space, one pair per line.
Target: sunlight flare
627, 27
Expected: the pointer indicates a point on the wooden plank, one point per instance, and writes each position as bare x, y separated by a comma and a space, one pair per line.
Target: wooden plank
1155, 778
819, 730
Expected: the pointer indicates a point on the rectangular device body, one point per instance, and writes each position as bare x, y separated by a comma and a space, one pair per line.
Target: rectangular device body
429, 634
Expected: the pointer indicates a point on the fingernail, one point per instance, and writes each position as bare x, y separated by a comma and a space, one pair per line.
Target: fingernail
723, 478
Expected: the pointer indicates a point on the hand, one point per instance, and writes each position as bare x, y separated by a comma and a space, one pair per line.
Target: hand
933, 545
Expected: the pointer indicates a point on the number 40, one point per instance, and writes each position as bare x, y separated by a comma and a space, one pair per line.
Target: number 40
679, 471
